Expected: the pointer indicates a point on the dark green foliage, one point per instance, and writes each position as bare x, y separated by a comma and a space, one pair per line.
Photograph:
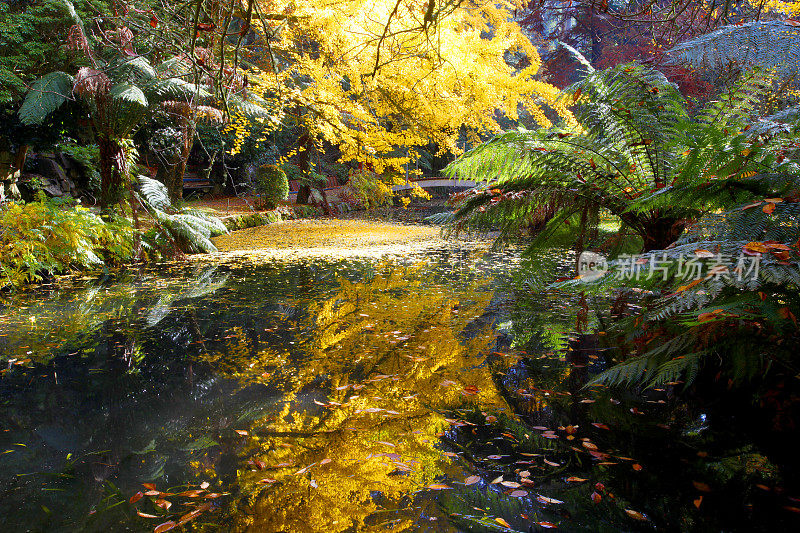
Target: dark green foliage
32, 35
737, 314
271, 185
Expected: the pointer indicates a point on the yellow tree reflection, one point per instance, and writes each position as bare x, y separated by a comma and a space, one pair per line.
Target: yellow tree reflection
379, 364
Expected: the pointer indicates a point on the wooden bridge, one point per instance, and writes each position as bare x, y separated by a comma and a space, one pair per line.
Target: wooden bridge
427, 183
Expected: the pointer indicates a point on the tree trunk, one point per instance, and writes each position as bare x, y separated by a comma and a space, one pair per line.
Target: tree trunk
175, 185
112, 160
662, 232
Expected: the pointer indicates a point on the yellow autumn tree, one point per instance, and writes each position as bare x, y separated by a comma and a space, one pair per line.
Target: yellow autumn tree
378, 78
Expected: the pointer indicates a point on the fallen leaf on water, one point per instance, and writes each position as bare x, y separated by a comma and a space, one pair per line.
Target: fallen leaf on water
545, 499
702, 487
136, 497
636, 515
502, 522
551, 463
145, 515
497, 480
471, 480
596, 497
241, 432
519, 493
547, 525
439, 486
164, 504
152, 493
598, 425
575, 479
204, 485
698, 501
589, 445
510, 484
149, 486
636, 466
470, 390
325, 461
494, 457
166, 526
266, 480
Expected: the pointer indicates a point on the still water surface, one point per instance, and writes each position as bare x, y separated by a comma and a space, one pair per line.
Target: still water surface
430, 392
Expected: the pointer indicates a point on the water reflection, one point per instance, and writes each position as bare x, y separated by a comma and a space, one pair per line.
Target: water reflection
431, 393
332, 379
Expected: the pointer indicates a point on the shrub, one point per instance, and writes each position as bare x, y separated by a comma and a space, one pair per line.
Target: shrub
49, 237
272, 185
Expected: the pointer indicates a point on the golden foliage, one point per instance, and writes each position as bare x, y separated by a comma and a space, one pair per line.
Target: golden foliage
375, 76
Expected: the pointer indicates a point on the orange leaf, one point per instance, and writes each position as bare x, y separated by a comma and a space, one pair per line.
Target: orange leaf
241, 432
637, 467
703, 253
471, 480
136, 497
702, 487
596, 498
149, 486
502, 522
145, 515
753, 248
547, 525
166, 526
636, 515
698, 501
439, 486
768, 208
574, 479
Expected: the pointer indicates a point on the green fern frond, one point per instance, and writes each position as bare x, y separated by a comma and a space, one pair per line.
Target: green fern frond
46, 95
189, 228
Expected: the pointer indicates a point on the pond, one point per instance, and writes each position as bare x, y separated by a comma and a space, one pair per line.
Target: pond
438, 391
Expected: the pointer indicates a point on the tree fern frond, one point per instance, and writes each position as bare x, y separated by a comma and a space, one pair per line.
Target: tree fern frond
771, 45
130, 94
47, 94
189, 228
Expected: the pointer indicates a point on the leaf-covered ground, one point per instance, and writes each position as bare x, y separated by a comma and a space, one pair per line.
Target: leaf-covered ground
316, 236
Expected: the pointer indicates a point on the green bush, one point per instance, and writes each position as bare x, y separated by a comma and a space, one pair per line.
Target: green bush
272, 185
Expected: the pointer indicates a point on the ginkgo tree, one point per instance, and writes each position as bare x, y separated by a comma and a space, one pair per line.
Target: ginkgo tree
379, 78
